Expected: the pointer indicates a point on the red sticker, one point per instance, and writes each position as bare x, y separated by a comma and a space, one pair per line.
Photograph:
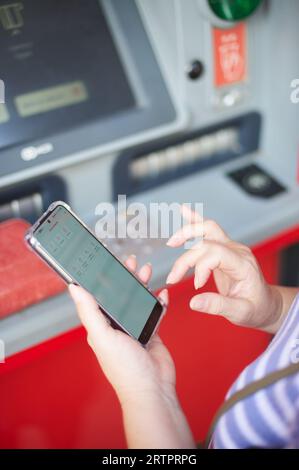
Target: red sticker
230, 57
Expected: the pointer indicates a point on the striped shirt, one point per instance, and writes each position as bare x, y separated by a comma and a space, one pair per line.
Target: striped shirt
270, 417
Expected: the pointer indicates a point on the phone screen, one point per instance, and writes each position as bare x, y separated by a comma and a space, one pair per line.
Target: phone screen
92, 266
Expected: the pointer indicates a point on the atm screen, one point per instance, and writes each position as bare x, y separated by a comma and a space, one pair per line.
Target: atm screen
60, 66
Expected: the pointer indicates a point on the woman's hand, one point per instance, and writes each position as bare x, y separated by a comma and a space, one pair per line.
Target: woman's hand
143, 378
243, 295
129, 367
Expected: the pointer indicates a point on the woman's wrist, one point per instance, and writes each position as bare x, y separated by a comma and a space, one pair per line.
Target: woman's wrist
275, 310
154, 398
280, 304
154, 419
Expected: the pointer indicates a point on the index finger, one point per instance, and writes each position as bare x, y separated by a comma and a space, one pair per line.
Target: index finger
207, 229
211, 229
191, 216
211, 255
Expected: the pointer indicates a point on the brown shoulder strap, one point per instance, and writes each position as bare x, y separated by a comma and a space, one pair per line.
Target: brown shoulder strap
250, 390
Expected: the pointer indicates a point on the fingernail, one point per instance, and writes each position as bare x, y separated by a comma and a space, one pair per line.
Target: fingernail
169, 242
74, 291
195, 283
132, 256
164, 292
172, 241
171, 278
73, 285
196, 303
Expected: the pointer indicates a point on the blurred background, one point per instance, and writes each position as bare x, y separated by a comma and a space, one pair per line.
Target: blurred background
160, 100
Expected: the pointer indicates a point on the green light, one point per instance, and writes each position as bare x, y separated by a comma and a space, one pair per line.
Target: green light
233, 10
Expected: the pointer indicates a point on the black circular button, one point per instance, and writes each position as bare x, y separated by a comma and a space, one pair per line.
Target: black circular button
195, 70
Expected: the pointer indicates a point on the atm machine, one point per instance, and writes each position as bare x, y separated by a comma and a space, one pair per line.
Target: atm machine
158, 100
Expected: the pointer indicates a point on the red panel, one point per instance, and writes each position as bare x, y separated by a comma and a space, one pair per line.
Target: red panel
24, 278
58, 398
54, 395
277, 242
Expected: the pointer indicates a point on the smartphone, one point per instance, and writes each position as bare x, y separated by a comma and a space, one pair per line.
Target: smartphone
66, 244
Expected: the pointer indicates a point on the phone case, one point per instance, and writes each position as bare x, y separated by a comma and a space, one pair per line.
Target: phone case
37, 248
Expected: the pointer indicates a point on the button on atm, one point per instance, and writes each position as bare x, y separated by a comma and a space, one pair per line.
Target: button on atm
233, 11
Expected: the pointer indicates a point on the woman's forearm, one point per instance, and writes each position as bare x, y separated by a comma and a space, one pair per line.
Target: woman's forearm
156, 422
